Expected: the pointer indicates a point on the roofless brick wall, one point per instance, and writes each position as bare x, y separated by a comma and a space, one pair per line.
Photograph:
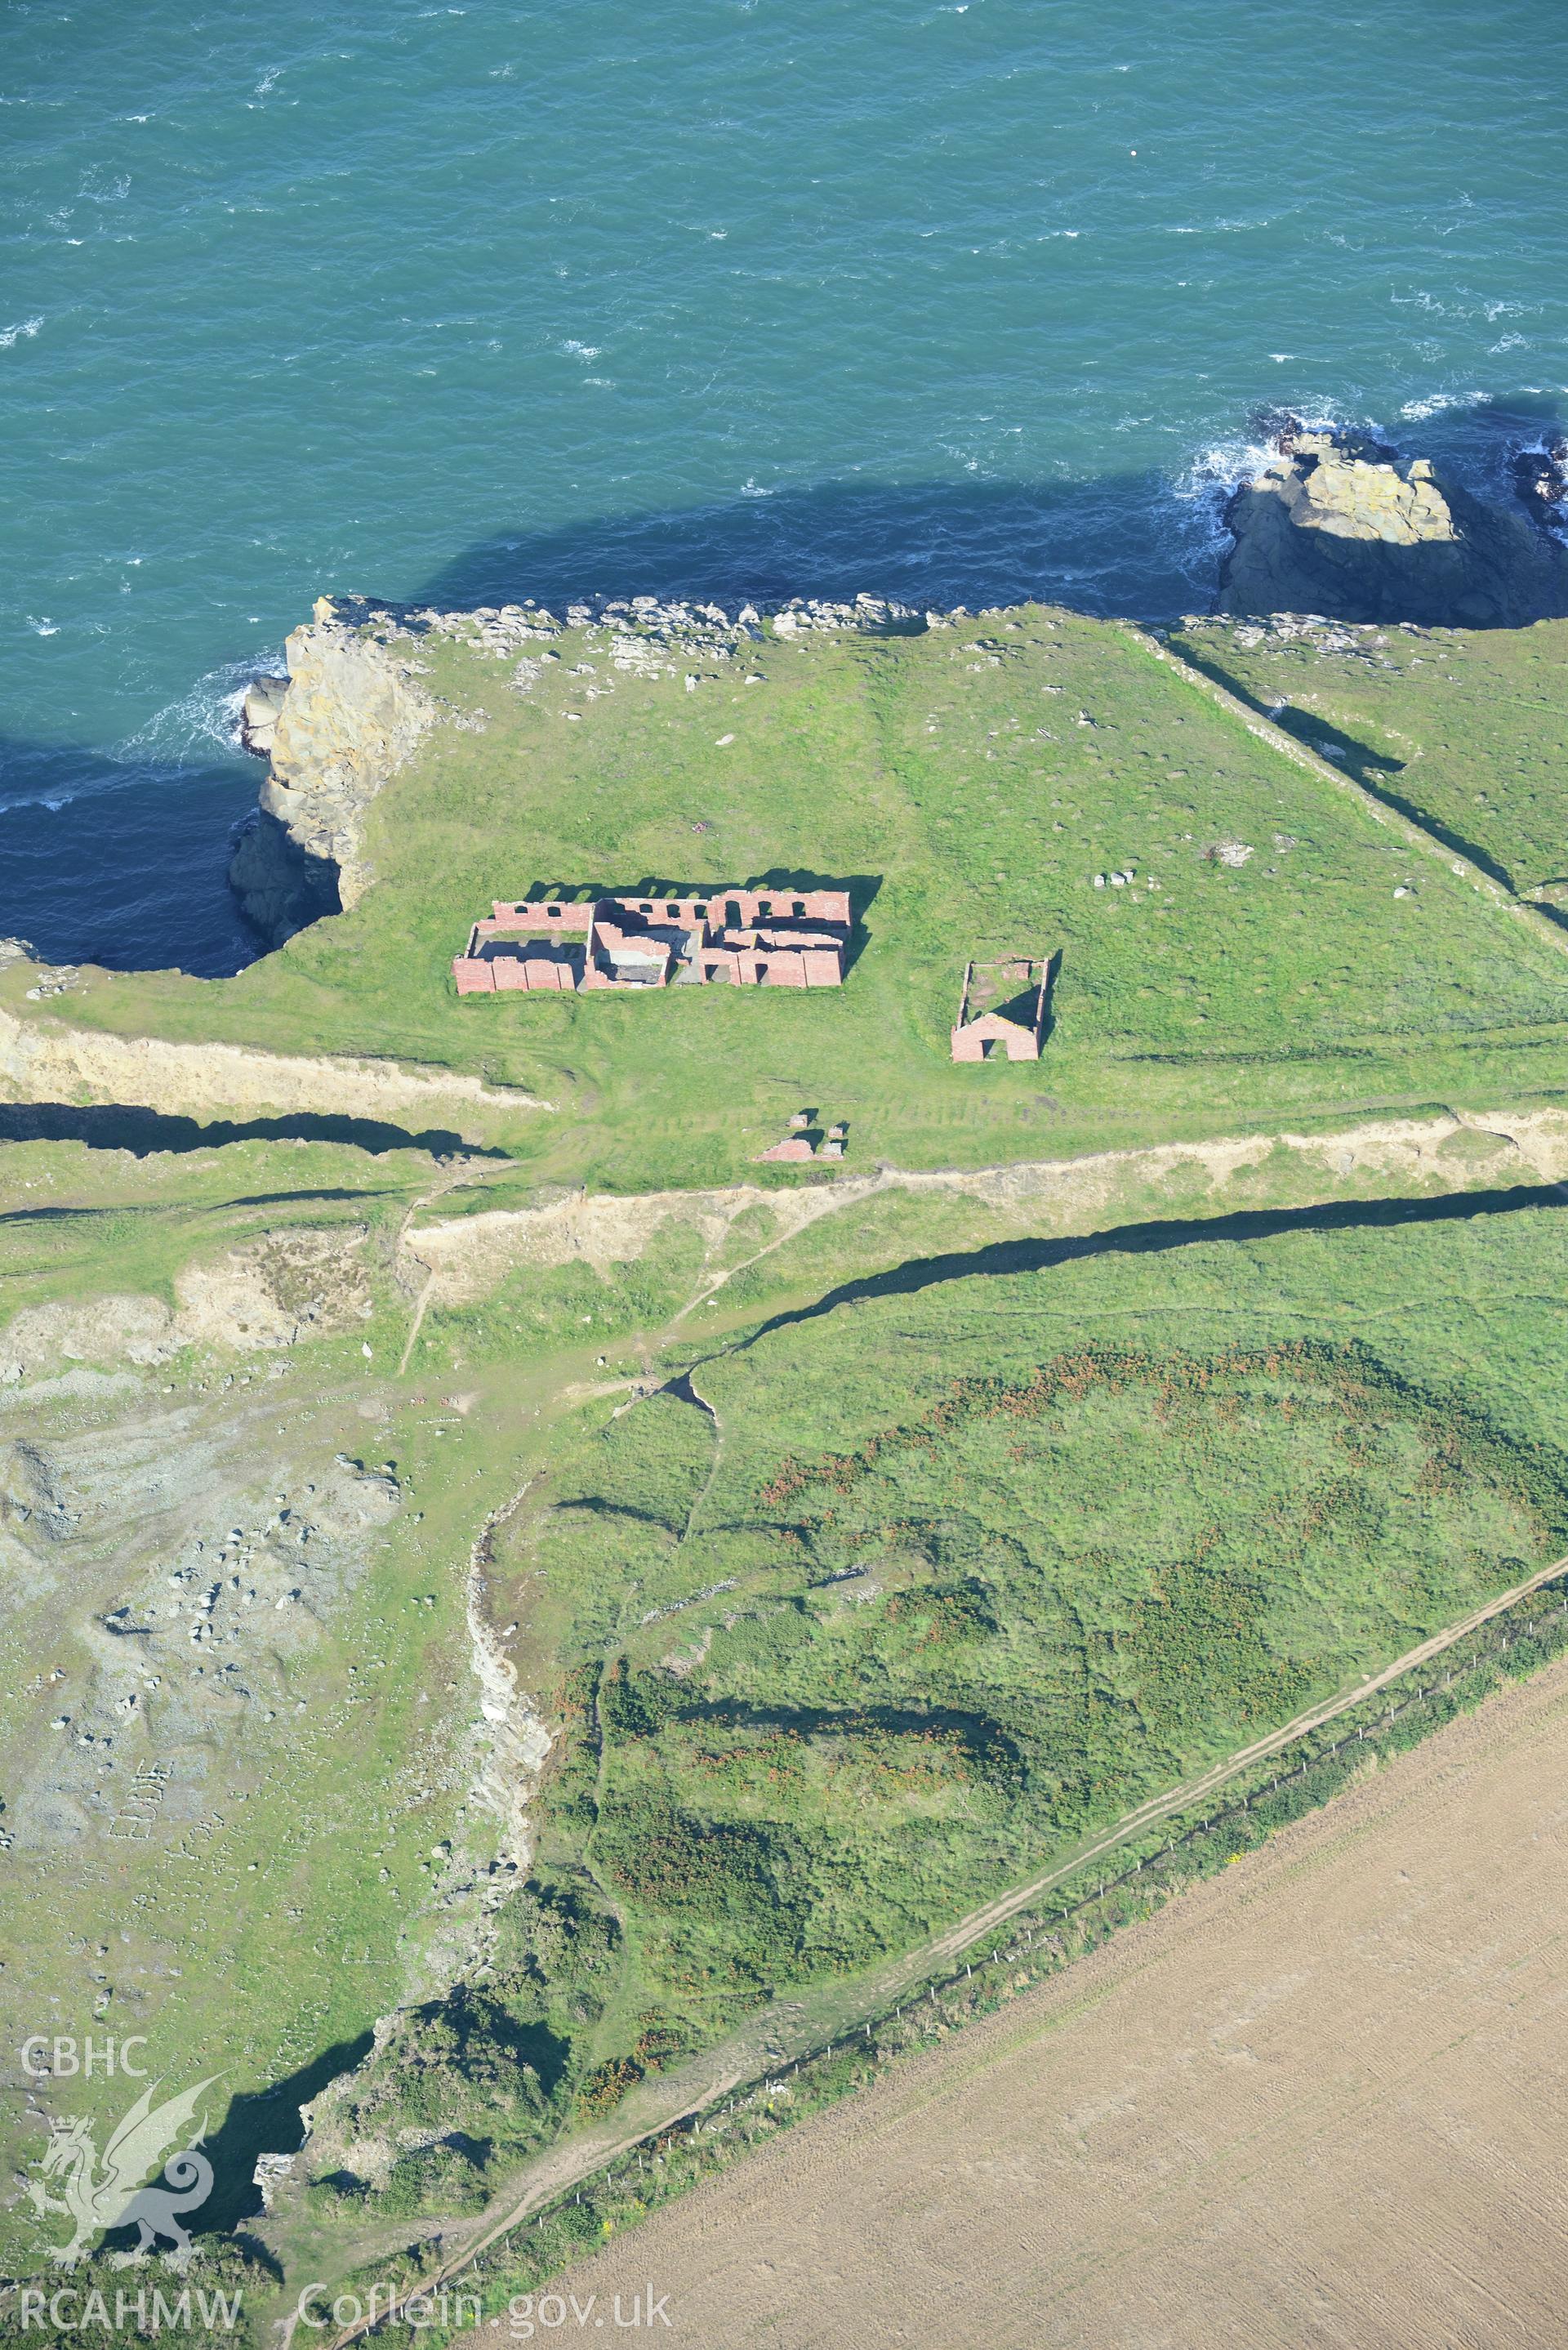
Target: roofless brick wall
1002, 1012
743, 938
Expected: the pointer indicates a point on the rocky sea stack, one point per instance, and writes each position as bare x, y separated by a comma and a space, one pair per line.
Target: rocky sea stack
1339, 525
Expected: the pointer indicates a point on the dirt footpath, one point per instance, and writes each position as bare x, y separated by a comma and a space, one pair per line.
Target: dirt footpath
1321, 2100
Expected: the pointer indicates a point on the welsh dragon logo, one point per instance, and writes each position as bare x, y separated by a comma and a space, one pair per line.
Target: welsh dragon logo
115, 2197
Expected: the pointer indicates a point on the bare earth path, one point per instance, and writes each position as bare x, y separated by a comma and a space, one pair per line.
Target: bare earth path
1320, 2102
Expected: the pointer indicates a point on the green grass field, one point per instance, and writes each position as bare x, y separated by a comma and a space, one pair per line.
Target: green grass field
1466, 728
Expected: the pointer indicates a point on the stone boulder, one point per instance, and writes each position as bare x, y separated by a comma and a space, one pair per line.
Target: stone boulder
1541, 477
1339, 526
259, 713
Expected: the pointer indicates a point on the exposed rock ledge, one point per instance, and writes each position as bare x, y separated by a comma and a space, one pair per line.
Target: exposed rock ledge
1340, 525
267, 1294
46, 1061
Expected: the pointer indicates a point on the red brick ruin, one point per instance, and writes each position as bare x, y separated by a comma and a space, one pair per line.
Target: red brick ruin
800, 1144
984, 1033
745, 937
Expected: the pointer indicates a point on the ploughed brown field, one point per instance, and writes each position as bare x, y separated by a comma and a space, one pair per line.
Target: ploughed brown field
1321, 2100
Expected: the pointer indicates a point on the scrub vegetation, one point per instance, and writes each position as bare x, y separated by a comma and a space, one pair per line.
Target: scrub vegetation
880, 1613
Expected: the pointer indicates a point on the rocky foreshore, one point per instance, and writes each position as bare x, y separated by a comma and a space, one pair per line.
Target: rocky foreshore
1341, 525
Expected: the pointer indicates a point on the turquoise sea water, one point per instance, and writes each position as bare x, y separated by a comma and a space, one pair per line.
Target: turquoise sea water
958, 301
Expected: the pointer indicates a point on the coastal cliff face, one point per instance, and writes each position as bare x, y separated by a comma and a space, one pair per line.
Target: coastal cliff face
352, 712
1339, 526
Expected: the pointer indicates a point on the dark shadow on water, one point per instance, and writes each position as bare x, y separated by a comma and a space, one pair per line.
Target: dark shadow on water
121, 863
125, 1127
1154, 1239
1110, 545
1116, 543
1477, 441
127, 865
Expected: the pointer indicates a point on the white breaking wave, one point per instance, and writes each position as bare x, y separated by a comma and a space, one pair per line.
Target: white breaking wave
1199, 497
9, 334
1227, 463
52, 800
205, 718
1415, 411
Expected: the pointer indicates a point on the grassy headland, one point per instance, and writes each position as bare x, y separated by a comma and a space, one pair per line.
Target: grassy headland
1277, 953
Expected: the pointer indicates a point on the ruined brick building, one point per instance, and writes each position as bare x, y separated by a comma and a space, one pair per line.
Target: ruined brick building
745, 937
1002, 1012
